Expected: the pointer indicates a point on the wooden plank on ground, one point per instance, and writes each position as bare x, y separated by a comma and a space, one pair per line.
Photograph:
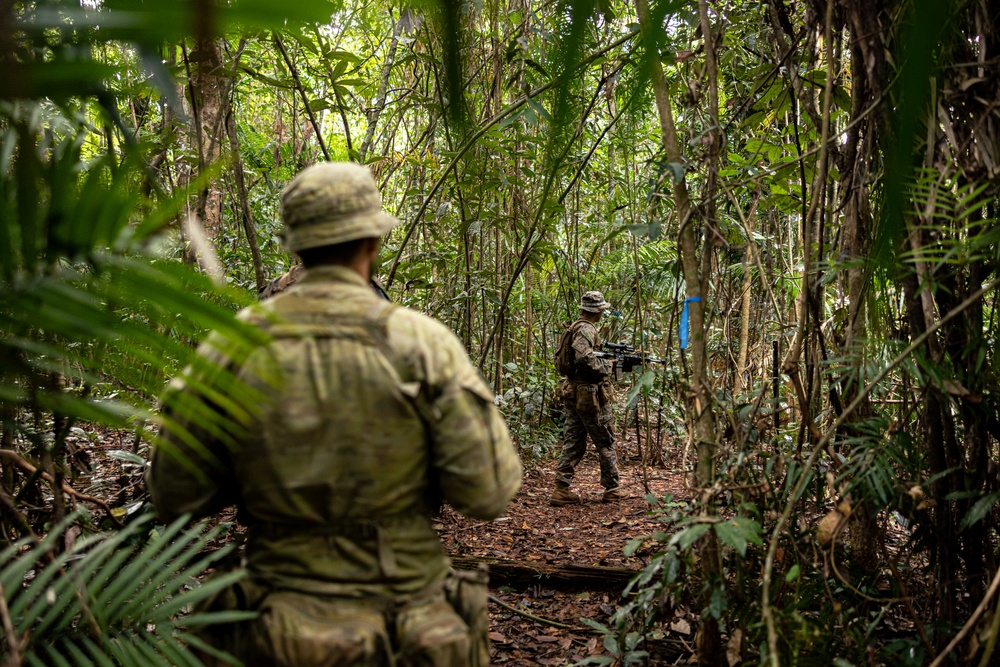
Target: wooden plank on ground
562, 577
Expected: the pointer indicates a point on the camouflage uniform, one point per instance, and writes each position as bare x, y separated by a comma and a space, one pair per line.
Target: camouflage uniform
587, 397
372, 415
282, 282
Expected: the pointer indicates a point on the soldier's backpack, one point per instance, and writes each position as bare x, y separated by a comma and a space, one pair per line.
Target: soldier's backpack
564, 352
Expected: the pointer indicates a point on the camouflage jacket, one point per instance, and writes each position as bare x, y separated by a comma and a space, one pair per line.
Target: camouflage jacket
369, 415
282, 282
590, 369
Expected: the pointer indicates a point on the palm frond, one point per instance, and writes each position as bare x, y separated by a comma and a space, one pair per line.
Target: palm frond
113, 599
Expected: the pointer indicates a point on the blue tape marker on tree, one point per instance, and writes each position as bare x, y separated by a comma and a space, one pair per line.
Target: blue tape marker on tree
684, 332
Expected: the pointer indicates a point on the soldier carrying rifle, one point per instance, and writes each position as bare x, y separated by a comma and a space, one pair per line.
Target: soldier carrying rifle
586, 394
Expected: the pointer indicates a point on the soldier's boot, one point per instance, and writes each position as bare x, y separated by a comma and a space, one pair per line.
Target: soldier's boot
561, 495
611, 495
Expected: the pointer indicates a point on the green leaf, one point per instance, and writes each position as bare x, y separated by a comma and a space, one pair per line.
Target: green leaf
979, 510
128, 457
590, 623
793, 573
530, 116
643, 384
688, 536
158, 589
738, 532
633, 545
510, 119
539, 109
717, 603
677, 170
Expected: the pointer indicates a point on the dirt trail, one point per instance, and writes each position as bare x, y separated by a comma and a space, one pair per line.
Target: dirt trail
589, 534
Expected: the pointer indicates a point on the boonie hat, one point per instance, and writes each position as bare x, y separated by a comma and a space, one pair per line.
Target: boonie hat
593, 302
331, 203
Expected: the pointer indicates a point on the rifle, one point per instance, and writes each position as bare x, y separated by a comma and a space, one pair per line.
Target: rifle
625, 358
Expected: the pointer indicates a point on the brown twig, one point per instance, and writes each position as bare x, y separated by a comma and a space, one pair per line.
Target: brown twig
14, 645
302, 93
26, 466
18, 519
546, 621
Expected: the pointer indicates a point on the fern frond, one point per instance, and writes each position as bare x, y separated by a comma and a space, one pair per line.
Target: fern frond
71, 616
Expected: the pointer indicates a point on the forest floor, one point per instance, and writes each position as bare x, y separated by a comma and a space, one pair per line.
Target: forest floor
559, 541
535, 615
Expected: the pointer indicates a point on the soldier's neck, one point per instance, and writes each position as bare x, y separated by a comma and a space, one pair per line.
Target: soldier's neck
360, 262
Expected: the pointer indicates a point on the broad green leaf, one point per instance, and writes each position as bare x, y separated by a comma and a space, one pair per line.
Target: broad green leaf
595, 625
979, 510
738, 532
633, 545
686, 537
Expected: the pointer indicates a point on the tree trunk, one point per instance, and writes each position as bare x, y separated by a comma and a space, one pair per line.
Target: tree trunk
383, 87
209, 97
246, 215
709, 641
863, 535
741, 361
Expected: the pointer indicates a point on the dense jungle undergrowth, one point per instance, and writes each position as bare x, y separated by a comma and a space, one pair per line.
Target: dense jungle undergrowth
793, 202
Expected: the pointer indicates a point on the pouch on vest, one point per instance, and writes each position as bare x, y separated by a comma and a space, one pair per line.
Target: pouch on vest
300, 630
565, 391
467, 591
606, 392
231, 638
587, 399
431, 634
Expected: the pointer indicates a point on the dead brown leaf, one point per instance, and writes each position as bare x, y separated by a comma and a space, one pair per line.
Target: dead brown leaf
734, 653
681, 626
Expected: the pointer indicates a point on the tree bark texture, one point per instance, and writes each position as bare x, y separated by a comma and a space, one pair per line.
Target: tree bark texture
709, 642
208, 94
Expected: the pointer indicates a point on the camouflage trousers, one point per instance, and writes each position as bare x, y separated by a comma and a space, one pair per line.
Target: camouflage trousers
446, 628
579, 424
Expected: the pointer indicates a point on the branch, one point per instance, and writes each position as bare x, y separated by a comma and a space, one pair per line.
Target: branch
970, 623
554, 624
14, 645
383, 88
302, 94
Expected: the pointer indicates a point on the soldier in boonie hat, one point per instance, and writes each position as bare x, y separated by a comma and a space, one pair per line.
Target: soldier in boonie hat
333, 450
332, 203
586, 396
593, 302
